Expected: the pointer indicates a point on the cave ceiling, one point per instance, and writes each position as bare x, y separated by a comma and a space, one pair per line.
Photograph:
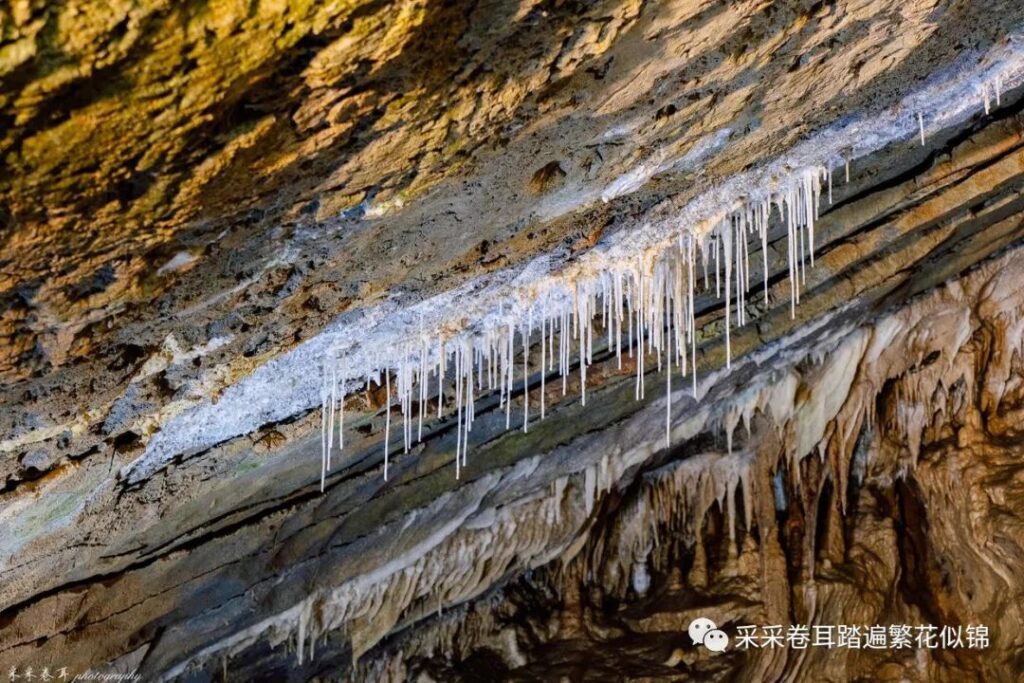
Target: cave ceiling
197, 199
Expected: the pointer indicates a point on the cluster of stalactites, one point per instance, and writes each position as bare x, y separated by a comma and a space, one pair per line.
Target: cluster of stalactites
643, 306
827, 408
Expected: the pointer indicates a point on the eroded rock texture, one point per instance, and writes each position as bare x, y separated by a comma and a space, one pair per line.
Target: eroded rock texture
901, 512
191, 191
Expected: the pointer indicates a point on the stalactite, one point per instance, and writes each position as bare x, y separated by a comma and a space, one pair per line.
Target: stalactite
387, 420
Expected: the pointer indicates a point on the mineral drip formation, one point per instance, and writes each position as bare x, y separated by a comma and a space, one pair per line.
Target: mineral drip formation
644, 307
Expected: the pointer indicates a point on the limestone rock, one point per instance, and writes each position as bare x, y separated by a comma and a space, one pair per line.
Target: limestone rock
197, 196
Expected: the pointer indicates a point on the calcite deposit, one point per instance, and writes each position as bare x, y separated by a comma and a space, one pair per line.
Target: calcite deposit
235, 234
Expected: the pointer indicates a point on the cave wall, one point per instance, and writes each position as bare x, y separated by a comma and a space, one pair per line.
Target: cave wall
193, 192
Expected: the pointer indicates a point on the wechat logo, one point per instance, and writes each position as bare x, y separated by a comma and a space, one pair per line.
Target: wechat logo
704, 632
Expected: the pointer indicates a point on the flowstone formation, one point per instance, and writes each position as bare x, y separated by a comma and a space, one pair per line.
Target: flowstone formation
460, 341
872, 484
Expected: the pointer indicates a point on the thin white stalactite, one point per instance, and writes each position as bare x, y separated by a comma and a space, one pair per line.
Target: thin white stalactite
330, 418
639, 331
422, 387
727, 249
790, 259
551, 344
740, 272
718, 258
478, 369
387, 419
746, 262
323, 436
458, 413
668, 400
763, 220
469, 407
502, 374
508, 379
403, 393
440, 376
341, 415
582, 341
629, 318
526, 374
563, 351
811, 194
693, 320
543, 366
800, 241
618, 319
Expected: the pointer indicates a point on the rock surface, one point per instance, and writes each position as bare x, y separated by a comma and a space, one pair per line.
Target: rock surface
193, 190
